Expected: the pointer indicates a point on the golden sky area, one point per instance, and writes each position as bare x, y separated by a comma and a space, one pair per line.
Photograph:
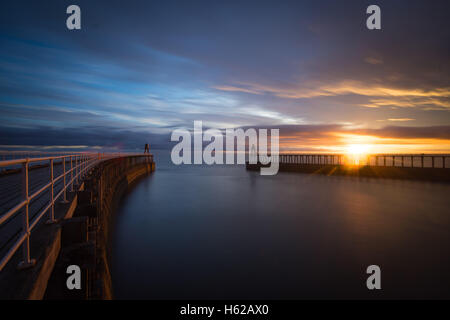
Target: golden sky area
337, 142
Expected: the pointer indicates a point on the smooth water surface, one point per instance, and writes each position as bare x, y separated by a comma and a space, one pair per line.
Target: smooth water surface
221, 232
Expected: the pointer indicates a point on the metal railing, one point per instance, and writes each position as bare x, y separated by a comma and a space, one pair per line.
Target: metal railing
383, 160
74, 169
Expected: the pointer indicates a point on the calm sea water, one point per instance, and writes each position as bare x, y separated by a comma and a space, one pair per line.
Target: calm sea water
221, 232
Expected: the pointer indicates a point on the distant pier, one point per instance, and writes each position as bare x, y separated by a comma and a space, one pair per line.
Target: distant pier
430, 167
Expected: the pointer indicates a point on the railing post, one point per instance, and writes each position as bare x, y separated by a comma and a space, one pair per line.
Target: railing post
64, 200
71, 174
26, 262
52, 209
83, 161
81, 167
421, 159
432, 161
76, 168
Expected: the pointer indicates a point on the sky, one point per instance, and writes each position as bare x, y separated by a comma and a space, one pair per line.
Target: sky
137, 70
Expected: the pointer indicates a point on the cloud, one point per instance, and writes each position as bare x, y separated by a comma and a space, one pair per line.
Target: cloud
91, 137
403, 132
372, 60
397, 119
435, 99
236, 89
320, 131
311, 90
427, 103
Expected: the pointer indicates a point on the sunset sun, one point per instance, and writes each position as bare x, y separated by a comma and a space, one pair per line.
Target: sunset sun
358, 149
356, 152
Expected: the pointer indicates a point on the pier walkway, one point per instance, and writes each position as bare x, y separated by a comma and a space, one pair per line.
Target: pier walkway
31, 187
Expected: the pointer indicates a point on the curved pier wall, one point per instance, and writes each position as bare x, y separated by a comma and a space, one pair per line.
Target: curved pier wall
85, 235
116, 177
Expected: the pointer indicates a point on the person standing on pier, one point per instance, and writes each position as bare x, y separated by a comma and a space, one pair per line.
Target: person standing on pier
146, 148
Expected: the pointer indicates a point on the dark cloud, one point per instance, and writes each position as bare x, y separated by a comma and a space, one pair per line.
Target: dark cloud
434, 132
105, 137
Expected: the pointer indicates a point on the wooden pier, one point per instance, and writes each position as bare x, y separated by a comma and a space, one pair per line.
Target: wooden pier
430, 167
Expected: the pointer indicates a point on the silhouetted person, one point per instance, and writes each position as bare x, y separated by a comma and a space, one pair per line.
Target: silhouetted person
253, 155
146, 148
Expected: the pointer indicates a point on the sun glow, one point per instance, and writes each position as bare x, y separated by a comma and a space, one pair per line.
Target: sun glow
357, 149
356, 153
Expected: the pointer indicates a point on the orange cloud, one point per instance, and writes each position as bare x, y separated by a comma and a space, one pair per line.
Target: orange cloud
344, 87
409, 102
398, 119
396, 97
